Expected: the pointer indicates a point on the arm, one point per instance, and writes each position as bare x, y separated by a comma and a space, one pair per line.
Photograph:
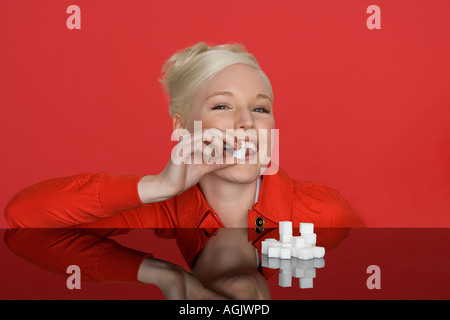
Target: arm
88, 198
69, 201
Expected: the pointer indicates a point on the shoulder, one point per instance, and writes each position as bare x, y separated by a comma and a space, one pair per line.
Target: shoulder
323, 205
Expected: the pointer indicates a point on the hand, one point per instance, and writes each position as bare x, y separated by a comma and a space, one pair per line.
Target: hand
175, 282
183, 171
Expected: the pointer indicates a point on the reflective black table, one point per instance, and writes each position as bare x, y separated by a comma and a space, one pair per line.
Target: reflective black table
225, 263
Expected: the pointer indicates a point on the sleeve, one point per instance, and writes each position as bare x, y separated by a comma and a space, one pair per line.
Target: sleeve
69, 201
100, 259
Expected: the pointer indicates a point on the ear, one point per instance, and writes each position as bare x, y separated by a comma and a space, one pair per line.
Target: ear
178, 121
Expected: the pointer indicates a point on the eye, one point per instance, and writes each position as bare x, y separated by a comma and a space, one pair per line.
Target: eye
220, 107
260, 110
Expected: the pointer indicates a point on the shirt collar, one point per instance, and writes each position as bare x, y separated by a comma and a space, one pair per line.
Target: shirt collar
274, 200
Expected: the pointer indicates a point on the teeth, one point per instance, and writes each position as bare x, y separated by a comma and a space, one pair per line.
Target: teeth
241, 152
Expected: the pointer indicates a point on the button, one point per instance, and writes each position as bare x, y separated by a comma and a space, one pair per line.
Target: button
259, 222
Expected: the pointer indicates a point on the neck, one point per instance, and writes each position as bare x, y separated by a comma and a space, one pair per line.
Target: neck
231, 201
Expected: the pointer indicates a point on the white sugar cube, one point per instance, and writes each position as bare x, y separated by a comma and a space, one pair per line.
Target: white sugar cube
306, 283
306, 228
285, 253
294, 252
310, 238
286, 238
319, 252
298, 242
306, 253
265, 245
285, 227
274, 251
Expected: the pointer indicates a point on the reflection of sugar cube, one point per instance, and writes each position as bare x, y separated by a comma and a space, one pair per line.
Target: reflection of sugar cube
299, 273
285, 278
274, 263
306, 283
319, 263
285, 264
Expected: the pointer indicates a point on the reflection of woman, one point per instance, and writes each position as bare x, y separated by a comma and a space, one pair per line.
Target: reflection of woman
224, 88
225, 268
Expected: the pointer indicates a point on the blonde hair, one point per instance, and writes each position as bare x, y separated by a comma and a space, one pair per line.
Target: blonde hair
187, 69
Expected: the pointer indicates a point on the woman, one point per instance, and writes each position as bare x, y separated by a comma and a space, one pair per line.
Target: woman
222, 88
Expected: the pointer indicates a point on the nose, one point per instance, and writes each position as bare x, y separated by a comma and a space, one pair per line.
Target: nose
244, 119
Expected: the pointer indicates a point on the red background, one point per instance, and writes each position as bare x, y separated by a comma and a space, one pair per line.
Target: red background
363, 111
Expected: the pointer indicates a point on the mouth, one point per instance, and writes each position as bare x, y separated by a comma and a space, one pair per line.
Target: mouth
243, 149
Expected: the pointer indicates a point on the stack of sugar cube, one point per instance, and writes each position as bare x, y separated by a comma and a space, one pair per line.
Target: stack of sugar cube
302, 247
296, 256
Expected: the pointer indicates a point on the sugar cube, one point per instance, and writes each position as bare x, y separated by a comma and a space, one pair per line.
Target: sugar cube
285, 253
306, 228
310, 238
294, 252
298, 242
286, 238
265, 245
285, 227
319, 252
306, 253
274, 252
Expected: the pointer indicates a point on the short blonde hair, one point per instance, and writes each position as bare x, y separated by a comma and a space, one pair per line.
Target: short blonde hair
187, 69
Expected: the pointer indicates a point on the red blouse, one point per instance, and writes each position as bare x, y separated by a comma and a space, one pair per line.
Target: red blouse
103, 200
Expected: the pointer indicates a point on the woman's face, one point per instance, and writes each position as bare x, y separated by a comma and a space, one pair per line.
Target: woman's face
236, 98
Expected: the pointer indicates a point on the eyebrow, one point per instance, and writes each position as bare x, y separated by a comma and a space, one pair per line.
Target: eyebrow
228, 93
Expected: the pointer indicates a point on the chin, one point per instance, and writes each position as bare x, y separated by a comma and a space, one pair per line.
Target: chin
240, 173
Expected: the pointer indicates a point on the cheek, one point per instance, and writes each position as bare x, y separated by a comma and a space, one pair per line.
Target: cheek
265, 124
